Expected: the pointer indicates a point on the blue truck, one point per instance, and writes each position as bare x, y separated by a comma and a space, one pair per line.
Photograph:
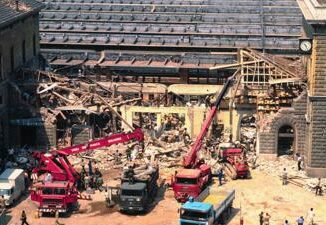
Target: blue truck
212, 206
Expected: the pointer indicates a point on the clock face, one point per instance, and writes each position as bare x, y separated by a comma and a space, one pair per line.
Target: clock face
305, 46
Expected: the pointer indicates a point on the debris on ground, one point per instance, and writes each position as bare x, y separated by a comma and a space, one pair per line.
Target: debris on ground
295, 177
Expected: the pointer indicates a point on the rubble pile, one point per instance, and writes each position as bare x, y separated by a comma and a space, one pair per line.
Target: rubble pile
140, 171
248, 132
275, 167
19, 158
168, 154
69, 101
76, 100
298, 178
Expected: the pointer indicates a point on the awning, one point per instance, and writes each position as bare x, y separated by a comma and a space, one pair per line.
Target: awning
78, 108
151, 88
194, 89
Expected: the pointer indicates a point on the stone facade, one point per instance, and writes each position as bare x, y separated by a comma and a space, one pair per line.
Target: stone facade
315, 28
316, 138
267, 138
19, 45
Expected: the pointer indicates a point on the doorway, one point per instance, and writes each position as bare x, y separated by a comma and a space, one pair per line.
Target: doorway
285, 140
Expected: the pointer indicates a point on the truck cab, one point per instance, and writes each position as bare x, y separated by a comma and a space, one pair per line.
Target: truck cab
55, 196
210, 207
7, 190
133, 196
12, 185
196, 213
187, 183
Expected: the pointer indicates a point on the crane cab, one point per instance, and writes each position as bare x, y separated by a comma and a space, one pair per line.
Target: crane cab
56, 196
190, 182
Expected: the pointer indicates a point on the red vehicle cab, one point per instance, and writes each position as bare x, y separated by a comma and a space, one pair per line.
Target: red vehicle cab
56, 196
190, 182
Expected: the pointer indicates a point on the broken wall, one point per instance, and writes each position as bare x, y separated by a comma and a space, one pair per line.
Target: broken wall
194, 117
190, 114
44, 136
81, 134
267, 133
232, 122
47, 136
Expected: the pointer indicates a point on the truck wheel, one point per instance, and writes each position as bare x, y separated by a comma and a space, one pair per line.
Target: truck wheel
146, 209
249, 175
120, 210
210, 179
222, 219
155, 192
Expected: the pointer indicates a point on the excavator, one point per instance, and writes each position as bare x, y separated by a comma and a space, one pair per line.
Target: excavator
197, 175
59, 194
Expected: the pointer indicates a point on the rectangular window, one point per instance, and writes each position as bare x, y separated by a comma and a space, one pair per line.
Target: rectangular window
1, 100
24, 51
12, 59
34, 45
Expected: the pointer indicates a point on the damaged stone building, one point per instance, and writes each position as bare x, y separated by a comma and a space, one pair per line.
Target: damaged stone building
19, 46
305, 120
315, 29
157, 59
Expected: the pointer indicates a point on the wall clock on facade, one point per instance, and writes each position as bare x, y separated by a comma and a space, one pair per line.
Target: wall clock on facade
305, 46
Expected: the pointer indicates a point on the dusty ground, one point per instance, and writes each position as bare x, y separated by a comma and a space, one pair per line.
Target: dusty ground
262, 193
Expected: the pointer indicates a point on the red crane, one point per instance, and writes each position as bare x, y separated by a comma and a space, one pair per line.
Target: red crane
190, 160
188, 182
61, 192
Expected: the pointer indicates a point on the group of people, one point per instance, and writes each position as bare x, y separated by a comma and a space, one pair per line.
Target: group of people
264, 218
92, 179
177, 135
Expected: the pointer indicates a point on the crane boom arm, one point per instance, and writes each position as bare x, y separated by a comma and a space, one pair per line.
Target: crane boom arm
57, 164
137, 134
191, 158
